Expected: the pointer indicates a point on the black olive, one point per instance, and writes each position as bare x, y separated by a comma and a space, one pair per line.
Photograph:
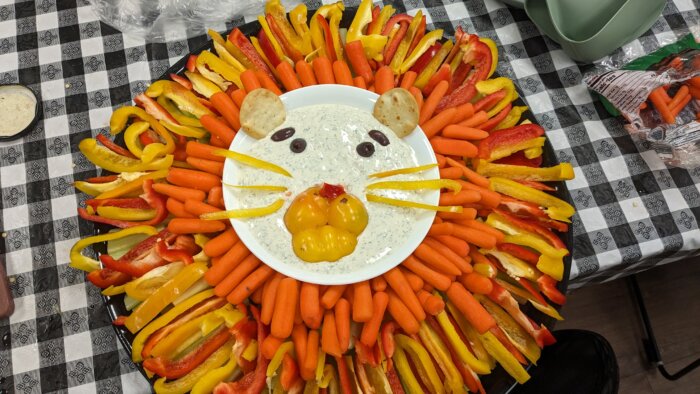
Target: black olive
379, 137
298, 145
283, 134
365, 149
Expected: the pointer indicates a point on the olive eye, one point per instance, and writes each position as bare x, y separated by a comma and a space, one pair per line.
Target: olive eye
283, 134
365, 149
297, 145
379, 137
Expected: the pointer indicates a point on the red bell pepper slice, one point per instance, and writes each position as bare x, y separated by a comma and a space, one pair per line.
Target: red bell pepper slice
478, 55
548, 286
518, 159
425, 58
148, 137
442, 74
134, 203
141, 258
395, 20
487, 102
501, 336
420, 32
522, 208
109, 144
388, 343
390, 48
459, 76
181, 80
191, 65
289, 373
268, 49
120, 320
510, 136
153, 108
328, 38
365, 354
525, 254
494, 121
288, 48
102, 179
459, 96
105, 277
537, 185
375, 13
174, 254
533, 227
241, 42
394, 381
344, 376
154, 200
525, 284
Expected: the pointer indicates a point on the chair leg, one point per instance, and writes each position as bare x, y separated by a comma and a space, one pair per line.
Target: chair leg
650, 345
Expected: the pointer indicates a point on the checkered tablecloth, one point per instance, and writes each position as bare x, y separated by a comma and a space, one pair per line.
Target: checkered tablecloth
633, 212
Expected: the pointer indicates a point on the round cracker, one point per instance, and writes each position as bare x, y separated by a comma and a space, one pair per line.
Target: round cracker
261, 112
398, 110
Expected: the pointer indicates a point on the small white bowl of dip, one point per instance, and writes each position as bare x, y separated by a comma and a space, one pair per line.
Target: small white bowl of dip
360, 265
19, 111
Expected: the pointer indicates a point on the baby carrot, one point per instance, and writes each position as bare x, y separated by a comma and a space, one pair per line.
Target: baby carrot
470, 174
476, 237
178, 192
478, 118
249, 284
438, 122
310, 305
202, 151
440, 160
342, 322
329, 336
228, 109
436, 279
418, 95
477, 316
286, 301
464, 111
682, 92
399, 284
323, 69
220, 244
408, 79
403, 317
431, 303
342, 74
370, 329
384, 79
194, 226
459, 246
226, 286
362, 303
489, 198
480, 226
678, 108
451, 146
268, 298
441, 229
250, 80
476, 283
267, 82
193, 179
463, 132
269, 346
217, 142
448, 254
332, 295
216, 197
220, 129
306, 73
378, 283
432, 101
462, 197
414, 280
466, 214
450, 173
256, 297
238, 96
435, 260
230, 260
199, 208
359, 82
660, 104
356, 56
308, 368
299, 339
288, 76
210, 166
177, 208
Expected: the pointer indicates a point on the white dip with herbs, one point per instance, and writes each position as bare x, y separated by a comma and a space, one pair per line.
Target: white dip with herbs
17, 109
332, 133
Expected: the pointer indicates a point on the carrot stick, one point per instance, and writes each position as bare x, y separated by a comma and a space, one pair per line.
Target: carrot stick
267, 82
250, 80
308, 368
342, 74
219, 245
323, 69
329, 336
249, 284
243, 269
660, 104
489, 198
349, 294
359, 82
199, 208
299, 339
177, 208
477, 316
447, 253
441, 160
435, 260
220, 129
441, 229
230, 260
450, 173
178, 192
475, 120
476, 237
202, 151
431, 303
682, 92
462, 197
362, 303
466, 214
438, 122
210, 166
217, 142
288, 76
370, 329
238, 96
332, 295
384, 80
459, 246
476, 283
342, 322
228, 109
310, 305
193, 179
470, 174
401, 314
269, 346
306, 73
378, 283
408, 79
463, 112
463, 132
434, 278
398, 282
450, 146
256, 297
432, 101
418, 95
285, 308
268, 299
480, 226
356, 56
414, 280
194, 226
678, 108
216, 197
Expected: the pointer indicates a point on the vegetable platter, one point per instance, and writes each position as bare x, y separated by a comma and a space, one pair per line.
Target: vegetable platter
468, 310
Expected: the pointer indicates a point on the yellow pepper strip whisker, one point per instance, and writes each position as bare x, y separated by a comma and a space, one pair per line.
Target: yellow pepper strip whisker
412, 204
418, 185
407, 170
263, 188
252, 161
244, 212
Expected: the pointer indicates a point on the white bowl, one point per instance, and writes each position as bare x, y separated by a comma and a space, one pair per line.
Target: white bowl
358, 98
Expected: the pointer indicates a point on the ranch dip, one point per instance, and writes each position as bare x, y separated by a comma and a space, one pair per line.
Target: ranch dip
17, 109
332, 133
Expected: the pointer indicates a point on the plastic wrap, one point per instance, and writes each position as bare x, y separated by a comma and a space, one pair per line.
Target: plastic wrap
627, 79
167, 20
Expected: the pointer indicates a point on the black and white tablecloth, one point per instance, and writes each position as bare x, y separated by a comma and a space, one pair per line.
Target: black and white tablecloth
633, 211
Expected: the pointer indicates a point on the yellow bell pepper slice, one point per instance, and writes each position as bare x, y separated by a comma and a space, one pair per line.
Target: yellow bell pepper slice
412, 204
512, 118
258, 49
372, 43
433, 65
384, 15
174, 111
417, 185
328, 376
504, 357
438, 350
560, 172
279, 14
188, 333
184, 384
141, 288
333, 12
94, 189
251, 351
321, 362
110, 161
460, 347
119, 118
494, 53
251, 161
223, 52
185, 100
492, 86
207, 383
217, 65
114, 290
161, 298
422, 361
87, 264
404, 369
425, 42
408, 170
140, 339
185, 131
130, 214
472, 337
400, 55
513, 266
531, 153
202, 85
263, 188
556, 209
131, 137
133, 185
273, 40
298, 18
277, 358
244, 213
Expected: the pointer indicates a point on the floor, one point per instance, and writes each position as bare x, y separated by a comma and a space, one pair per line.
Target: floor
672, 295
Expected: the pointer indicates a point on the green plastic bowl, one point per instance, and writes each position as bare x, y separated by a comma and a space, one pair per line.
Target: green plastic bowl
589, 30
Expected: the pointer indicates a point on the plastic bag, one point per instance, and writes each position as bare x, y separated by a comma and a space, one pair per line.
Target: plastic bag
167, 20
655, 93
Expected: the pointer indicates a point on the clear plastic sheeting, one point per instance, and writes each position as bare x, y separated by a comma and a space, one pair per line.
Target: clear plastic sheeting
167, 20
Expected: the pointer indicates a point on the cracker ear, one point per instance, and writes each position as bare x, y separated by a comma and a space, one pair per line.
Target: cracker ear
398, 110
261, 112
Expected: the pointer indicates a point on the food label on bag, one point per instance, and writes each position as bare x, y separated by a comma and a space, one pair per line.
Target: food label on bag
626, 90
